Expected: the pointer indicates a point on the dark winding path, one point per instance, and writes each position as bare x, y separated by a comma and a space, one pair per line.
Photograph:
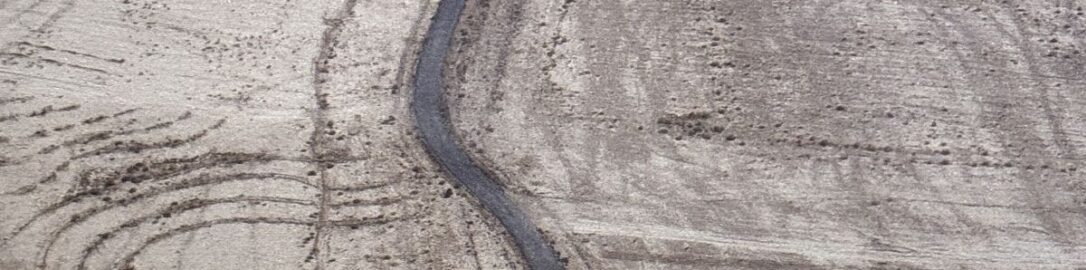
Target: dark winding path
437, 136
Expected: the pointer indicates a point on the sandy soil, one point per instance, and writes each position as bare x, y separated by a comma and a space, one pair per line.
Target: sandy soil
638, 134
227, 135
786, 134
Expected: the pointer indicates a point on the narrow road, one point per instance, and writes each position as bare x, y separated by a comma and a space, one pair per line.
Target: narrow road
437, 136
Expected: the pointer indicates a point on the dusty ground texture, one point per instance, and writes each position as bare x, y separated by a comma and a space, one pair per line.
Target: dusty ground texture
228, 135
786, 134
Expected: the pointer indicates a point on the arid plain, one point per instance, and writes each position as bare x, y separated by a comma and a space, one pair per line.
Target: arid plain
227, 135
786, 134
261, 134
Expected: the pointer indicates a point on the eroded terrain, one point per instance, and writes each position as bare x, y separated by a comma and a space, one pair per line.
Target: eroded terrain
786, 134
227, 135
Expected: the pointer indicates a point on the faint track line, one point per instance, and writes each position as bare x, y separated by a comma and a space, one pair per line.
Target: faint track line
317, 140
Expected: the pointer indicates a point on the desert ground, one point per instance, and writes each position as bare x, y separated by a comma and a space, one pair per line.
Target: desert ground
278, 134
227, 135
786, 134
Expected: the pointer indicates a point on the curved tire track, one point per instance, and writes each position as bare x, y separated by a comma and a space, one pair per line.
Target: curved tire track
436, 134
200, 181
189, 205
126, 261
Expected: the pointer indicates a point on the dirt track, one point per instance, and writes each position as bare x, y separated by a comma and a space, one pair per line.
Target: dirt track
429, 106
